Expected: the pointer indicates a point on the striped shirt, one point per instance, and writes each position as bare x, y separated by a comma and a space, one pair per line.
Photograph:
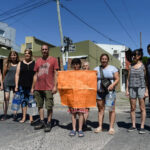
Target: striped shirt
137, 77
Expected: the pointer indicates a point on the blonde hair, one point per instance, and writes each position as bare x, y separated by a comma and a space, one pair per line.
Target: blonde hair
84, 63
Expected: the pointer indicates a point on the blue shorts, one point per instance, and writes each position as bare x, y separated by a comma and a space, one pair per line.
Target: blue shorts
24, 94
102, 95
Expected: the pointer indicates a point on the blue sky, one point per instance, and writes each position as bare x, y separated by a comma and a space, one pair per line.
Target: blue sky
43, 22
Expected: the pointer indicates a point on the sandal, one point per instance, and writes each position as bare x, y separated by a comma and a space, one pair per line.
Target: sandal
111, 131
72, 133
22, 121
80, 134
97, 130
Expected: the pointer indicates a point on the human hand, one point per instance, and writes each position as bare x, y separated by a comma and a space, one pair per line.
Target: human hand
16, 88
54, 90
127, 93
146, 94
1, 87
32, 91
111, 87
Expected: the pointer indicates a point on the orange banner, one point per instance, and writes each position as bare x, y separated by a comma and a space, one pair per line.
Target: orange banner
77, 88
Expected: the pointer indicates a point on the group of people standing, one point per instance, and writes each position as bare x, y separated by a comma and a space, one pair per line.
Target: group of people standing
28, 77
40, 79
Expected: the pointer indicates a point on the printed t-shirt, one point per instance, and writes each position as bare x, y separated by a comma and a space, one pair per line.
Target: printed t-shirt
45, 73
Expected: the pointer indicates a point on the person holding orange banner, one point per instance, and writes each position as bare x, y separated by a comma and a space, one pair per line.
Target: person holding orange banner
111, 73
76, 65
86, 66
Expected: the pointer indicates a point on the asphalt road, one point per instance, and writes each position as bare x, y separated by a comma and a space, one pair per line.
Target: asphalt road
17, 136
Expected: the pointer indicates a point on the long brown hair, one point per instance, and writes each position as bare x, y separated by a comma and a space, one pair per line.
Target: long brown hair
9, 61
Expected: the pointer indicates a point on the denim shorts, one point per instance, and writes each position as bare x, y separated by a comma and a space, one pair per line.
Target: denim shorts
9, 88
136, 92
102, 95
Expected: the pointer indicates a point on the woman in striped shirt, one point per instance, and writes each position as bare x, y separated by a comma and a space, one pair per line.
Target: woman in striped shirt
136, 88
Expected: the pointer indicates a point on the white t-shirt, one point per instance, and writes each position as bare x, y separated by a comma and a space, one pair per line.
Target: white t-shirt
108, 73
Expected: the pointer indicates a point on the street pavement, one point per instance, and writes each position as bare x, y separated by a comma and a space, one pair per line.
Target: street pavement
17, 136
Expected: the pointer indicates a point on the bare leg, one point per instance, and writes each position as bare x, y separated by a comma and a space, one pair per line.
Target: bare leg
6, 102
133, 108
73, 117
112, 116
24, 112
143, 112
49, 115
86, 115
81, 119
31, 118
101, 109
41, 112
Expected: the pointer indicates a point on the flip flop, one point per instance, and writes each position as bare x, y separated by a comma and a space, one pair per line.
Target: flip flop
97, 130
111, 131
22, 121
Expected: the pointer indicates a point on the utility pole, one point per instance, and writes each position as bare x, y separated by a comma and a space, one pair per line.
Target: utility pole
140, 39
61, 34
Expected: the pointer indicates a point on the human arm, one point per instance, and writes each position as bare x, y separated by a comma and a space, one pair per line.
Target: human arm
127, 84
116, 80
54, 90
34, 81
17, 76
146, 81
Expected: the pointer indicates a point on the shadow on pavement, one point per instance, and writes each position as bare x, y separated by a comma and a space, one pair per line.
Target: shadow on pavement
128, 125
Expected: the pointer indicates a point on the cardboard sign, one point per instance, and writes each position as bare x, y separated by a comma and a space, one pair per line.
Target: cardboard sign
78, 88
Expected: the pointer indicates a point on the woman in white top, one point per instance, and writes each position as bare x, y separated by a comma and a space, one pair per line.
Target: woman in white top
109, 72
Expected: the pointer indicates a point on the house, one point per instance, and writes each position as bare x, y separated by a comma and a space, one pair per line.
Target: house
34, 44
8, 37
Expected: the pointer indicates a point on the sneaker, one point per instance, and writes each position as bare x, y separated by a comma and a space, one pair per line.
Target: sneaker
131, 129
14, 117
47, 127
4, 118
142, 131
40, 125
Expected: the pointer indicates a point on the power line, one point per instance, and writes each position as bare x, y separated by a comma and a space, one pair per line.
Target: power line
12, 10
130, 18
16, 20
27, 9
119, 22
91, 27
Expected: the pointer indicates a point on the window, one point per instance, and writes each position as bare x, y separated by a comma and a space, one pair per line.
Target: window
115, 54
29, 45
2, 32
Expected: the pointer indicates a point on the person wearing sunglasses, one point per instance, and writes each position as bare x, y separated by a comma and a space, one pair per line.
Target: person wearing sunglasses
137, 89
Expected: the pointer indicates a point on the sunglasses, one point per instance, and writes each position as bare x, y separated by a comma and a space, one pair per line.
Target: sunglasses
44, 49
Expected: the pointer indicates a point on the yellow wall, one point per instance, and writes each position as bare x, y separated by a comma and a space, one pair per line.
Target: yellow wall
36, 44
